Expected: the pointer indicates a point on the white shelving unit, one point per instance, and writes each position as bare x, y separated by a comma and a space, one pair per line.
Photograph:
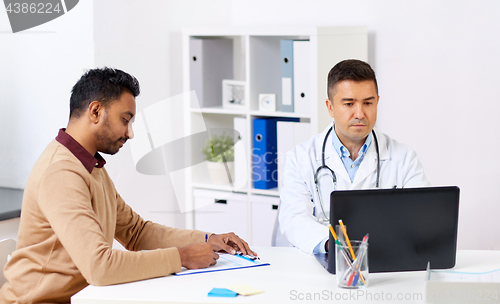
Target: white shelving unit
251, 54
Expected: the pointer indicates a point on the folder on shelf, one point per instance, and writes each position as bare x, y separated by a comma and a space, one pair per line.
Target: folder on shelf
295, 75
286, 52
196, 70
264, 166
210, 61
301, 77
240, 155
289, 134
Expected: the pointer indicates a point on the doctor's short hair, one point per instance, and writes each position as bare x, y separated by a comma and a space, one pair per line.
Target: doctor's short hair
104, 85
351, 69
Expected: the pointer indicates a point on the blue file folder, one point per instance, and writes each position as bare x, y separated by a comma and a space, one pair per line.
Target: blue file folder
264, 165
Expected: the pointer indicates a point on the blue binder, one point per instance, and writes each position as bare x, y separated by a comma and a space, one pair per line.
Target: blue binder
264, 154
286, 102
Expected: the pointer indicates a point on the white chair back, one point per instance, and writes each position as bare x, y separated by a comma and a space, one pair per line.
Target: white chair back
7, 246
278, 239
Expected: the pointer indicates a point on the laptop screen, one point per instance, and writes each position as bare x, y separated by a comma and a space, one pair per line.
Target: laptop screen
407, 227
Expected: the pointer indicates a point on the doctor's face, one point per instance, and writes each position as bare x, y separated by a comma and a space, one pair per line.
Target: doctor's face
354, 110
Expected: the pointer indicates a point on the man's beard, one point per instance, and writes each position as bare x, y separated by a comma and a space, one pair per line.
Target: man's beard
104, 142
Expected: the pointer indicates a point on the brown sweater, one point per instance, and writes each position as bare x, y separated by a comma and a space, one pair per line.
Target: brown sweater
68, 221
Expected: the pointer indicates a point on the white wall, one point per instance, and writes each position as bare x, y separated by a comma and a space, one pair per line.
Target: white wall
38, 68
436, 63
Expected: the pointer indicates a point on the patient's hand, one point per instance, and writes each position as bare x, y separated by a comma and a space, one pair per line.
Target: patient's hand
230, 243
198, 255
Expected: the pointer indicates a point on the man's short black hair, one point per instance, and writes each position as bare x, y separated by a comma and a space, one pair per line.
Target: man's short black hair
104, 85
351, 69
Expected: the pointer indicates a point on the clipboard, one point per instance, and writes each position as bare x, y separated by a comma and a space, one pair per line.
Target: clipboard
225, 262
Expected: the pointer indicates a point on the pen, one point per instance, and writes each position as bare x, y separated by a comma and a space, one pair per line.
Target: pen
349, 282
335, 236
349, 245
250, 258
356, 277
347, 239
361, 253
344, 254
246, 258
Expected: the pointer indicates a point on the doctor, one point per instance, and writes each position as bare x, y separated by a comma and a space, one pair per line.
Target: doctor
349, 154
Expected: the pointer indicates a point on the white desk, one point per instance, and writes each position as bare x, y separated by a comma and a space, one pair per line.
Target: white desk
292, 277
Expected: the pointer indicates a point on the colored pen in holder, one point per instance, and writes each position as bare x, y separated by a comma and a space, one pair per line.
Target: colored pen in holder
351, 261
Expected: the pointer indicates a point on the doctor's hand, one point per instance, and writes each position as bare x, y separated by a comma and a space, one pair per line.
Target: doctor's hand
230, 243
198, 255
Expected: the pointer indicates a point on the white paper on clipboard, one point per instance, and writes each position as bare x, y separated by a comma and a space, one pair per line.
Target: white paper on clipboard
226, 261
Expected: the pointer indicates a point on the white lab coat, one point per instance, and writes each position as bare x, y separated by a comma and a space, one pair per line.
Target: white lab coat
300, 208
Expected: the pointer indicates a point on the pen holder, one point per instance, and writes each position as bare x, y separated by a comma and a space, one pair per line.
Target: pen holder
351, 263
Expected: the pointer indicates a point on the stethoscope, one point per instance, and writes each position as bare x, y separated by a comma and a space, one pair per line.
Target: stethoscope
334, 177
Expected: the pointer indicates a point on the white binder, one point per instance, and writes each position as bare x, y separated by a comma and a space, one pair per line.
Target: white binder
240, 155
289, 134
196, 70
286, 53
301, 77
211, 61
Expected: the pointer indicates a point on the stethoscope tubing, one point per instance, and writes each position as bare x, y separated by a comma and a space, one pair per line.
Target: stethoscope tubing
334, 176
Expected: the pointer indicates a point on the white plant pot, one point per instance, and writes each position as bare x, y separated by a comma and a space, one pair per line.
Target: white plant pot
218, 172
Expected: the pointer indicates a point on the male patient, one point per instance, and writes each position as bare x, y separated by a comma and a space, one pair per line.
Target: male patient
72, 212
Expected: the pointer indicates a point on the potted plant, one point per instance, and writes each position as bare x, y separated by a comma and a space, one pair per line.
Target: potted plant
219, 152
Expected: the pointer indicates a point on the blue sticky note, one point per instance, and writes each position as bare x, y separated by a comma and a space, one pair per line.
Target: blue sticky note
221, 292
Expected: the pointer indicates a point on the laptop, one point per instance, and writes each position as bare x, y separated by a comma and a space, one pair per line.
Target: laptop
407, 227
